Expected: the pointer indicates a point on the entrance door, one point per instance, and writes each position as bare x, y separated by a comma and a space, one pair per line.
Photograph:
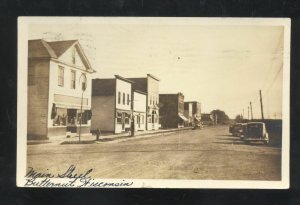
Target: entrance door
139, 120
123, 121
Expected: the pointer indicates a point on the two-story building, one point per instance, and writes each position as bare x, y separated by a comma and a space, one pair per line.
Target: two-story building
172, 110
192, 111
59, 89
139, 110
111, 106
150, 86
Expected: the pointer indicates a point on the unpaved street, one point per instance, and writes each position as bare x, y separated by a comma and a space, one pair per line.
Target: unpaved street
211, 153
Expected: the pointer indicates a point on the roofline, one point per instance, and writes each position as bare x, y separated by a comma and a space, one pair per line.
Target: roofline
141, 92
179, 93
124, 79
191, 101
152, 76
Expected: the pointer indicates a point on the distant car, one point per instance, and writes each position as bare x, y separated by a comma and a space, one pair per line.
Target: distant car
256, 132
243, 131
237, 129
198, 126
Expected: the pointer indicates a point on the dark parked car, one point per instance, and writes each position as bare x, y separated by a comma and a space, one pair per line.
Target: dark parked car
243, 131
237, 129
256, 132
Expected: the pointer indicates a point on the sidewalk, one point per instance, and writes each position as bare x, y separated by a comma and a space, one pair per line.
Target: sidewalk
105, 137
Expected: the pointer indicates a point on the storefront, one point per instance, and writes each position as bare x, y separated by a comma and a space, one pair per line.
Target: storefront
66, 119
122, 121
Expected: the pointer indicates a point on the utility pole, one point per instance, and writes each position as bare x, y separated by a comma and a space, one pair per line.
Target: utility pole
251, 110
248, 112
261, 106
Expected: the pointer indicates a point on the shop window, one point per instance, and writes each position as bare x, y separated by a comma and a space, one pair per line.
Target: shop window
72, 114
60, 76
149, 119
127, 118
84, 119
119, 117
142, 119
73, 79
61, 117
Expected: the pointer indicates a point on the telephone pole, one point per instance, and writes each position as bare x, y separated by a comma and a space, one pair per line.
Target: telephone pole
248, 112
261, 106
251, 110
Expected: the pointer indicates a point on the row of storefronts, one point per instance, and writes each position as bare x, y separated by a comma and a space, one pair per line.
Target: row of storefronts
64, 99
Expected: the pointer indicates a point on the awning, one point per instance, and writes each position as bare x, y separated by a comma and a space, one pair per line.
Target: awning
182, 117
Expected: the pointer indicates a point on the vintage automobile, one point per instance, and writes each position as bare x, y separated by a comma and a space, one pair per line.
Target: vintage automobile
231, 127
237, 129
243, 131
256, 132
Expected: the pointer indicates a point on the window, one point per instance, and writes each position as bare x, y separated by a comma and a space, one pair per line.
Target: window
61, 117
127, 117
142, 119
150, 99
84, 119
128, 99
119, 97
119, 117
123, 98
73, 79
84, 81
60, 76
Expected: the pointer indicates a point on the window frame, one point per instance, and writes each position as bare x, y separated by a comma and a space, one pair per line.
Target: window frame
73, 81
119, 97
61, 76
123, 100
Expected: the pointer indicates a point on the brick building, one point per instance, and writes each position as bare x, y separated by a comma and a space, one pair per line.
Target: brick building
172, 110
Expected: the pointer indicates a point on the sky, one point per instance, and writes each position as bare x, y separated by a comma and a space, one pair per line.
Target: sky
223, 67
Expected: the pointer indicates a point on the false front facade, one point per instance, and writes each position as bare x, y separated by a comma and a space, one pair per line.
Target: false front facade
111, 106
150, 86
192, 111
59, 89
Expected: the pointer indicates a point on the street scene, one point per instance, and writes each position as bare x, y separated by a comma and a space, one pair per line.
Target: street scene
150, 99
211, 153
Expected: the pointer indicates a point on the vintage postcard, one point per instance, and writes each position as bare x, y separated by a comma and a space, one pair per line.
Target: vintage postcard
119, 102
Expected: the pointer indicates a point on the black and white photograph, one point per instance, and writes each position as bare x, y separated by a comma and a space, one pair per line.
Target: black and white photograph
145, 102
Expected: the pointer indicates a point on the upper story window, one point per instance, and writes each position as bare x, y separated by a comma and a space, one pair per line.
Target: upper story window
119, 97
60, 76
74, 56
83, 82
123, 98
128, 99
150, 99
73, 79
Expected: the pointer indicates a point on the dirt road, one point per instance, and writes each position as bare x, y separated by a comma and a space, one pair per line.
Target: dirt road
210, 153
